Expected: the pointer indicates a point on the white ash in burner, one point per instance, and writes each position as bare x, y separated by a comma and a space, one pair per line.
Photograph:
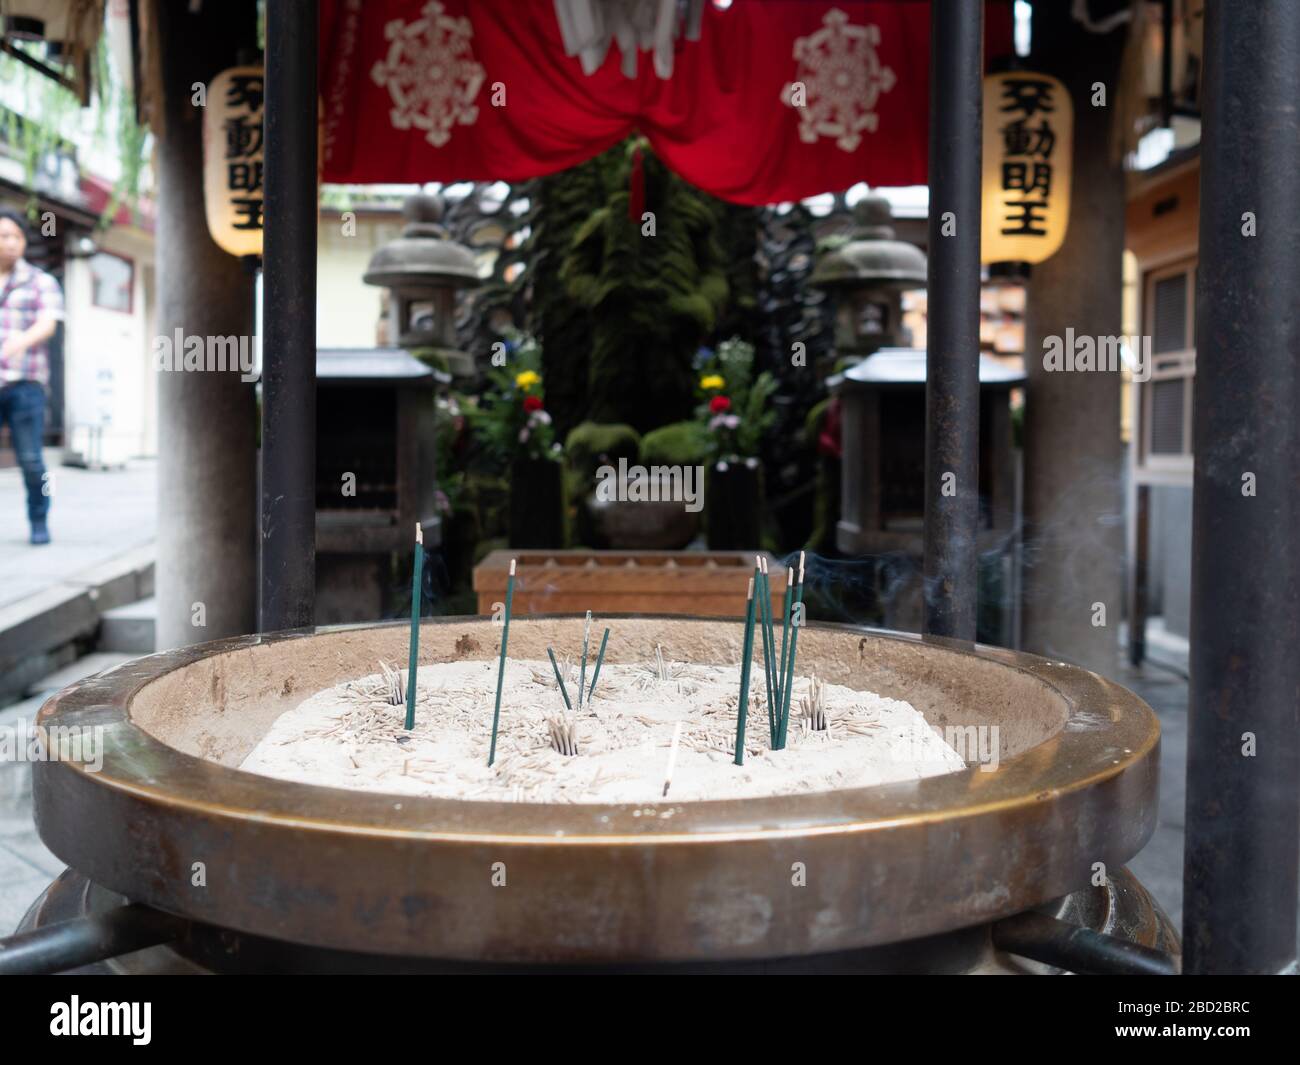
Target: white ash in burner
351, 736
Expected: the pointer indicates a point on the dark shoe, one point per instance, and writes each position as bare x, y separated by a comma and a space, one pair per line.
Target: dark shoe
40, 533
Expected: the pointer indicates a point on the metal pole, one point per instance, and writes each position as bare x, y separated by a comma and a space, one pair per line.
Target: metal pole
952, 389
288, 575
1243, 754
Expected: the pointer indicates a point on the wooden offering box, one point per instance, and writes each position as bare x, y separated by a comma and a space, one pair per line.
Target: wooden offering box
710, 584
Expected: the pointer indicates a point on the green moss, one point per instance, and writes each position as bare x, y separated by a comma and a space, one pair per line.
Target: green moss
679, 444
591, 445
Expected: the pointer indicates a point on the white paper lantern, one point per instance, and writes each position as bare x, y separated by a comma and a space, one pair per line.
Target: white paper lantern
232, 159
1028, 159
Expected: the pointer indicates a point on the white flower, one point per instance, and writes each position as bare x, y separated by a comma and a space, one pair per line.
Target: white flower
523, 435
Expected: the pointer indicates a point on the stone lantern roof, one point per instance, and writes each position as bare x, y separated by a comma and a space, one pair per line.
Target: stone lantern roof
423, 257
873, 258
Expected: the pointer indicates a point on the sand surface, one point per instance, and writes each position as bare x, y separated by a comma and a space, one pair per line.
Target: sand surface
349, 737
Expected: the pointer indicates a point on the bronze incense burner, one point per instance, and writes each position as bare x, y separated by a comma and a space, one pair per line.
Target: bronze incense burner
880, 871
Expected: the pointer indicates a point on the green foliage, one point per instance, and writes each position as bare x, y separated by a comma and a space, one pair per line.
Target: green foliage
561, 205
678, 444
735, 411
52, 118
510, 419
651, 298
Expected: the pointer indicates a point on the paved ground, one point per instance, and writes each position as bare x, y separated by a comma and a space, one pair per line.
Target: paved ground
95, 515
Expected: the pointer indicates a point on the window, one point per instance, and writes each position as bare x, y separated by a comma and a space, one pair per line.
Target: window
111, 281
1169, 312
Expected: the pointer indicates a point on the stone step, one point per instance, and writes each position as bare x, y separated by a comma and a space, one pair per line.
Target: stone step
129, 629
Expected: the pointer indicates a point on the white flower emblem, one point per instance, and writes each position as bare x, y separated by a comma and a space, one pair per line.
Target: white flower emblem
430, 73
841, 79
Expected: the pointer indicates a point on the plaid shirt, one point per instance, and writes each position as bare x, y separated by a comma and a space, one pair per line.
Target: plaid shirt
28, 294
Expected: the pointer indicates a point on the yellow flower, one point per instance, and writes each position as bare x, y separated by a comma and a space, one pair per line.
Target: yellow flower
713, 382
527, 379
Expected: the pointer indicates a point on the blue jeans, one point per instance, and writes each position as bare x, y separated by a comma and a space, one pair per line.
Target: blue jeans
22, 405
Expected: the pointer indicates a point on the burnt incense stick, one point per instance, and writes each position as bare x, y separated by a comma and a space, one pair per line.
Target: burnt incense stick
413, 663
595, 676
672, 758
582, 673
794, 647
501, 669
746, 654
563, 691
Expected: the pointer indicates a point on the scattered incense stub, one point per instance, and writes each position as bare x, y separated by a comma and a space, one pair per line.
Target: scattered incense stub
812, 707
394, 689
672, 758
564, 734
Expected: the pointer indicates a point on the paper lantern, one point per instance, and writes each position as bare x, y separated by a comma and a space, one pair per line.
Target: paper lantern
1028, 156
232, 159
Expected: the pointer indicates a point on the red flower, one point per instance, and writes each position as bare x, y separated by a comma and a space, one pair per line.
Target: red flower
718, 404
532, 403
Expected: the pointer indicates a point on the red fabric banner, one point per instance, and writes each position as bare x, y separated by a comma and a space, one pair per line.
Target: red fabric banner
777, 100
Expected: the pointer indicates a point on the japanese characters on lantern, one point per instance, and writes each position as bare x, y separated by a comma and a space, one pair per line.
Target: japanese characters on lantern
232, 160
1028, 145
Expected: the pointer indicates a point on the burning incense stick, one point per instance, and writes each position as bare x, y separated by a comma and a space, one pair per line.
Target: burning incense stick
595, 676
563, 691
416, 587
672, 757
789, 669
745, 656
501, 669
582, 673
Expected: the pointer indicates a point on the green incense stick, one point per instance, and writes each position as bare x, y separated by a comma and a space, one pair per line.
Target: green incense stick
769, 633
563, 691
794, 647
501, 669
785, 619
595, 676
582, 672
416, 588
767, 673
745, 660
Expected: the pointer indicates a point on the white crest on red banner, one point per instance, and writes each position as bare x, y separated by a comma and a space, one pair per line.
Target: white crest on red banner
842, 79
430, 73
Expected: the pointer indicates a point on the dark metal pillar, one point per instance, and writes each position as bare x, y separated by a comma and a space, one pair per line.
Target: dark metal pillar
952, 389
288, 575
1243, 754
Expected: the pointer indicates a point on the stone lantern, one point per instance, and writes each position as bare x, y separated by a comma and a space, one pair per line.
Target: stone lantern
867, 277
882, 403
422, 269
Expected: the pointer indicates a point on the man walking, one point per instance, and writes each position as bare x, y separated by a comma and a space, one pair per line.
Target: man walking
31, 305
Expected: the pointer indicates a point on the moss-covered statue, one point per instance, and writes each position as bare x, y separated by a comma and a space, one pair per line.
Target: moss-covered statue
653, 278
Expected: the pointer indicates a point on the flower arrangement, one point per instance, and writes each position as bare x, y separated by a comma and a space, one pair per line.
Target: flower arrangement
733, 403
511, 418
